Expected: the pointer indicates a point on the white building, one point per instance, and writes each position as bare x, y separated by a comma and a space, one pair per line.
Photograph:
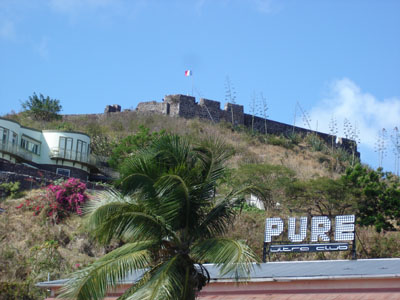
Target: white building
61, 152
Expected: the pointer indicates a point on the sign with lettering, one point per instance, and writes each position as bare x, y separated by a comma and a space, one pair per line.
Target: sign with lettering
320, 229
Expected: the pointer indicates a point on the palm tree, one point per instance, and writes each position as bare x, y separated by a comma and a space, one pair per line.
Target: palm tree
170, 219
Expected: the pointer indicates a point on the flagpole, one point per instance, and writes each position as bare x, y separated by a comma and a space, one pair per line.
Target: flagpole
189, 73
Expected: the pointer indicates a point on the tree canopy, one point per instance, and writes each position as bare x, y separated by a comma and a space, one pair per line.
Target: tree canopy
41, 107
171, 220
373, 195
377, 196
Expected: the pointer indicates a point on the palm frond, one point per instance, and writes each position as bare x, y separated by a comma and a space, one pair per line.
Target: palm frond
138, 284
231, 256
169, 211
93, 281
109, 196
139, 172
131, 226
213, 155
167, 282
175, 204
118, 216
217, 219
172, 150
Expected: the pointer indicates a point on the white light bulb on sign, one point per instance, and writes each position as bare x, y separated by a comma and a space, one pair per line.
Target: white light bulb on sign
344, 228
319, 227
273, 227
293, 237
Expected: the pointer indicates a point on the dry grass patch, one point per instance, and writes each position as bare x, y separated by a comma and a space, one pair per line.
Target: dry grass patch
32, 247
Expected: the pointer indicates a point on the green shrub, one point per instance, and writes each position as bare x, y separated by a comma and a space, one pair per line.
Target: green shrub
279, 141
16, 290
225, 125
101, 145
44, 259
65, 126
117, 125
342, 155
129, 145
250, 208
294, 137
315, 142
270, 180
10, 189
94, 128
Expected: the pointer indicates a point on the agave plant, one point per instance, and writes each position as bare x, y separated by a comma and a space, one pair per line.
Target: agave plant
171, 220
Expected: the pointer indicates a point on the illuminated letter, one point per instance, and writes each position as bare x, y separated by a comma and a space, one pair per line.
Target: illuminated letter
319, 227
344, 228
293, 237
273, 227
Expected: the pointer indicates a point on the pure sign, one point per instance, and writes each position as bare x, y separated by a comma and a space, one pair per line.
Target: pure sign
320, 227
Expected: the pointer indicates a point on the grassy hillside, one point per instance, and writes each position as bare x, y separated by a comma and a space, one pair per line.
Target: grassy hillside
308, 156
32, 248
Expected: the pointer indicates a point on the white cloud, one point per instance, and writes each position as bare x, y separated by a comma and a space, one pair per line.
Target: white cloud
346, 100
7, 30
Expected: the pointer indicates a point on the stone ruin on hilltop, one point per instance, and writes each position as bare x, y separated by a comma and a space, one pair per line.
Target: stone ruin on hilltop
187, 107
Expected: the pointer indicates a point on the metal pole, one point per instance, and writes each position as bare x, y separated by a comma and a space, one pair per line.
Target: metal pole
192, 85
264, 259
354, 250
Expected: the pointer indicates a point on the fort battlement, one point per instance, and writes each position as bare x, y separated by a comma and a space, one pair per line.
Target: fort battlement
187, 107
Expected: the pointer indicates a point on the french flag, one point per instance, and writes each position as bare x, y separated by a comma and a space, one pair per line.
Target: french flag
188, 73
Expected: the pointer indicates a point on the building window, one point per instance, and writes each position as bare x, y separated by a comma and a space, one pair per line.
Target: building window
65, 147
4, 135
14, 140
63, 172
30, 145
81, 151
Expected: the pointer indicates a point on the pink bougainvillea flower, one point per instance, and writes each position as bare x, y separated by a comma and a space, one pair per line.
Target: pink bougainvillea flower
60, 199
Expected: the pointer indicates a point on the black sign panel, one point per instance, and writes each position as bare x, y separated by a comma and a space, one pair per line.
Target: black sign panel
309, 247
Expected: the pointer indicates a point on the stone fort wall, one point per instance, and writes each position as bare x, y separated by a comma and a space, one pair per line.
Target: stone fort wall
187, 107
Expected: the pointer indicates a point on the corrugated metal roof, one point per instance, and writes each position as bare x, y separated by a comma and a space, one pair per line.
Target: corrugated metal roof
315, 296
320, 269
293, 270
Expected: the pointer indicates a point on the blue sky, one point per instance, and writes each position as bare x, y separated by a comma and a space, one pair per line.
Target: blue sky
337, 59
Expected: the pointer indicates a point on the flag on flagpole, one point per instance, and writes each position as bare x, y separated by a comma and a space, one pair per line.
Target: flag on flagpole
188, 73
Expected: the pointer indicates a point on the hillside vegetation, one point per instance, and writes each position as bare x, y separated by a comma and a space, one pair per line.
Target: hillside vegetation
308, 157
300, 175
